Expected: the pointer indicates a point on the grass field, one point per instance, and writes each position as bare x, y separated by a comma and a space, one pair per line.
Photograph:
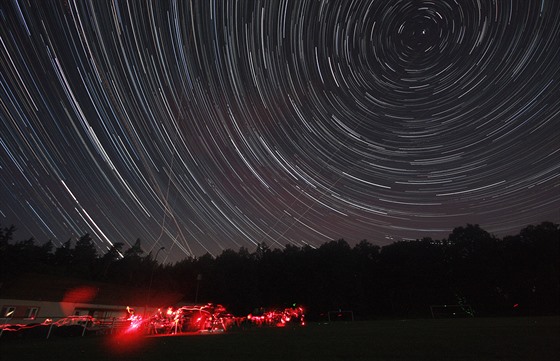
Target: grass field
449, 339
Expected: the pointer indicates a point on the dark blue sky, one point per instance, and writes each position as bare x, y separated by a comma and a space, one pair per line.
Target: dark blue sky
207, 125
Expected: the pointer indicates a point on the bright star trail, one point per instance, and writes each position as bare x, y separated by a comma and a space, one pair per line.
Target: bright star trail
207, 125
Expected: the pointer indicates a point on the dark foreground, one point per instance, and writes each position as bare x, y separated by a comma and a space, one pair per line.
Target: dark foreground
453, 339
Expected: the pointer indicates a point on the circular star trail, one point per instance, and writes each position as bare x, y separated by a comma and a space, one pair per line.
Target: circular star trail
207, 125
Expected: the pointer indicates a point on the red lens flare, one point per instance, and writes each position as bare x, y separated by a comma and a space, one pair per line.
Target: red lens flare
83, 294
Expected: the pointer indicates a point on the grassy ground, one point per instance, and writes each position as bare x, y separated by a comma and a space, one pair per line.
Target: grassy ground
456, 339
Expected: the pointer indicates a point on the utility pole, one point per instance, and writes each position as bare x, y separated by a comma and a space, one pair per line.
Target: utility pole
198, 278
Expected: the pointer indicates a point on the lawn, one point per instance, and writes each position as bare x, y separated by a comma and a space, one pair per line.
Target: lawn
449, 339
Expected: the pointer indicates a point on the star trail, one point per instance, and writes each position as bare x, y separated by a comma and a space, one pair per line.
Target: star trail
207, 125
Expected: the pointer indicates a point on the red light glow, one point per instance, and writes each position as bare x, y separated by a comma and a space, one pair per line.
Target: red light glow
83, 294
279, 318
127, 334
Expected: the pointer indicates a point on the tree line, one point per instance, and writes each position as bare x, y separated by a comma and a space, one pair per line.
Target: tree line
479, 273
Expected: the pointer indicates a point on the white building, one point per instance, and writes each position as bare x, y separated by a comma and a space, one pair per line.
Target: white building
35, 298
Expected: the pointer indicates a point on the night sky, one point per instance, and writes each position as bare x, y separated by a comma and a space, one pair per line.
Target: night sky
207, 125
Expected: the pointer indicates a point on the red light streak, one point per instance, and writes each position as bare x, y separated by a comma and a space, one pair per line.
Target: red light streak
279, 318
129, 334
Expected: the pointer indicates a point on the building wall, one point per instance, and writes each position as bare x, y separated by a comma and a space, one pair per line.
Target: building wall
29, 311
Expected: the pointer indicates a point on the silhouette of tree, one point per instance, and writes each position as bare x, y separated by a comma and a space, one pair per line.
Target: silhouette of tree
519, 275
262, 251
132, 268
413, 277
475, 267
113, 254
6, 235
366, 258
235, 280
205, 267
63, 256
84, 256
539, 272
135, 251
333, 278
183, 274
